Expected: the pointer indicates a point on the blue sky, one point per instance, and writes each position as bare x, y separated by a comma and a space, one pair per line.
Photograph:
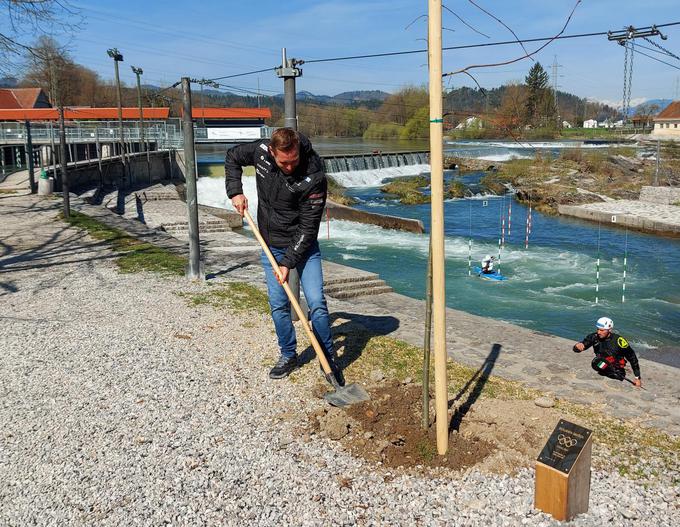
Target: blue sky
216, 38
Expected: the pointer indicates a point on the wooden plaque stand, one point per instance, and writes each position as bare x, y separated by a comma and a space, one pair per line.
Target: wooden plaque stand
563, 484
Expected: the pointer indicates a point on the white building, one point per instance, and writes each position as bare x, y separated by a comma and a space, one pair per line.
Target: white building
566, 124
590, 123
668, 121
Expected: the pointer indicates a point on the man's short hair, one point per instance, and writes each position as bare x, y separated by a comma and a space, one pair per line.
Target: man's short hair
284, 140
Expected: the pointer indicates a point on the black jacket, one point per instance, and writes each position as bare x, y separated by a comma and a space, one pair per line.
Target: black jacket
613, 346
289, 206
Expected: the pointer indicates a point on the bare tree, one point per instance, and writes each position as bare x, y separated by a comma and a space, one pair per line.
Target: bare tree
22, 18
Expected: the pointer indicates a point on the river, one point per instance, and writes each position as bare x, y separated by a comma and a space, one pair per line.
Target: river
551, 284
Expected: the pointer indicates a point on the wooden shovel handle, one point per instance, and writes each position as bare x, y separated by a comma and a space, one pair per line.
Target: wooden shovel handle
293, 301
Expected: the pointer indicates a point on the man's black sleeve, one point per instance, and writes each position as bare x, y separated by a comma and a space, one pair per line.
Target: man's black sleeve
631, 357
236, 158
587, 341
312, 204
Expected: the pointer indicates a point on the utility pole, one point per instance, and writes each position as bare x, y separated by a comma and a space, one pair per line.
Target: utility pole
118, 57
289, 72
29, 157
434, 51
555, 65
138, 72
194, 267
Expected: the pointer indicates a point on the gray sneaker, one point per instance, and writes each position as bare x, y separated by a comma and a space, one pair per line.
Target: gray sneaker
283, 367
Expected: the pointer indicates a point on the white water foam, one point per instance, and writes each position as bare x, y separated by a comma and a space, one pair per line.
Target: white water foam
504, 157
375, 177
211, 192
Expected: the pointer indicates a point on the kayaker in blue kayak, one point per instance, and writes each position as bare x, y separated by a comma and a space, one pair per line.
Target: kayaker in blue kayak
487, 264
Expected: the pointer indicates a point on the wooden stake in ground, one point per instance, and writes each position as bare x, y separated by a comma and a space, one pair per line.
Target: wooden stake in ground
437, 222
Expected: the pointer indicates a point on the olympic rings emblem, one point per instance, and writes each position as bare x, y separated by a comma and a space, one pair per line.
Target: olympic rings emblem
566, 441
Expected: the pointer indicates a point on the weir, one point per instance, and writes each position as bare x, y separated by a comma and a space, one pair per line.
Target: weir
374, 160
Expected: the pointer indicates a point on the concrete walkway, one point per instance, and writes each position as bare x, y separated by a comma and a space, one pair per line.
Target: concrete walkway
640, 215
539, 360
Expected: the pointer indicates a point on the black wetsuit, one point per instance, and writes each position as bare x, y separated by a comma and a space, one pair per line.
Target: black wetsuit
611, 354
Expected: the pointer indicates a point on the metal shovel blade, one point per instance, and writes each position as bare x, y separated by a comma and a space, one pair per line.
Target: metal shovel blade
346, 395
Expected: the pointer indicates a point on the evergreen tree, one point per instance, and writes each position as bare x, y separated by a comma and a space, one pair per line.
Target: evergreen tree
537, 83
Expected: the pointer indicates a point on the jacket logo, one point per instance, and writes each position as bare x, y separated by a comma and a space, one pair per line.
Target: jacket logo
263, 147
622, 342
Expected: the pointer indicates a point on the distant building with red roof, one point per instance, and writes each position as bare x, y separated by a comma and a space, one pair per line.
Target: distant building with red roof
23, 98
668, 121
230, 124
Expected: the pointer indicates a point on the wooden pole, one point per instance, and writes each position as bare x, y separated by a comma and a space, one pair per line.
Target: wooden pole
437, 222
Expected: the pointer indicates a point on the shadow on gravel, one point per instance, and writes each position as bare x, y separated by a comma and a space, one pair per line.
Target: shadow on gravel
477, 381
358, 330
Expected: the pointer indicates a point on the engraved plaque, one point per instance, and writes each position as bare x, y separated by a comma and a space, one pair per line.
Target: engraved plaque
564, 446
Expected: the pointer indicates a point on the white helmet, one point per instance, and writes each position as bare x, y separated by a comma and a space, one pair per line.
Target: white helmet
604, 323
487, 257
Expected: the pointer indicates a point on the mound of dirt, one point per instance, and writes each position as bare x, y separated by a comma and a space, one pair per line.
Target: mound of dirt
493, 435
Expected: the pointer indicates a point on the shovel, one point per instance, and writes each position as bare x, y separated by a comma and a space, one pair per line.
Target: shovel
343, 395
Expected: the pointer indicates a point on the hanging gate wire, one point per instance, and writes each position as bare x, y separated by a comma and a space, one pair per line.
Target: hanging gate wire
597, 265
625, 268
470, 242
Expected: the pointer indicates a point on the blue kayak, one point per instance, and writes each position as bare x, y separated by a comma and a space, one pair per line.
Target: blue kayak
495, 276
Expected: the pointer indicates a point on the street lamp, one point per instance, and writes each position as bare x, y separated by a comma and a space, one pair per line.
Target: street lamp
138, 72
117, 57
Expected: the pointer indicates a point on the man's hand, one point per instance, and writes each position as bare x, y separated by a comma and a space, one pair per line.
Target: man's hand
638, 383
579, 346
283, 276
240, 203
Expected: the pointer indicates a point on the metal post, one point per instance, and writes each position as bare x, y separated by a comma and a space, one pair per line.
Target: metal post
289, 73
64, 163
29, 155
118, 57
656, 172
437, 222
194, 267
98, 146
53, 152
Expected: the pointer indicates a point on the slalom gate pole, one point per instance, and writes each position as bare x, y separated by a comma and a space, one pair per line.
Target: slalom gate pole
509, 215
328, 225
597, 265
625, 268
470, 243
503, 231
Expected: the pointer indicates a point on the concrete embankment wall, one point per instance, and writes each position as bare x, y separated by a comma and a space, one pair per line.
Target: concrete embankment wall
163, 165
342, 212
644, 224
660, 195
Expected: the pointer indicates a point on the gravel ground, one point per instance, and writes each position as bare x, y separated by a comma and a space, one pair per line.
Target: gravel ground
111, 415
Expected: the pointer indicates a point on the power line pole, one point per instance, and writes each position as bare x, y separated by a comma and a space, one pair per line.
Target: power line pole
118, 57
434, 50
555, 75
194, 268
138, 72
289, 72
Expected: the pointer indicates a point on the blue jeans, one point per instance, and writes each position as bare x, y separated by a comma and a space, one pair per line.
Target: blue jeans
311, 281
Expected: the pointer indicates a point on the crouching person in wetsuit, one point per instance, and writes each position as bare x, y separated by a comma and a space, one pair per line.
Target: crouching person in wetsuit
611, 352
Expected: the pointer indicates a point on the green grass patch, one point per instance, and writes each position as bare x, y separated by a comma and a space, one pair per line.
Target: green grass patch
217, 170
237, 296
134, 256
399, 360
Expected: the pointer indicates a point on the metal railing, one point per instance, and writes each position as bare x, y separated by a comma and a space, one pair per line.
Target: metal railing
166, 134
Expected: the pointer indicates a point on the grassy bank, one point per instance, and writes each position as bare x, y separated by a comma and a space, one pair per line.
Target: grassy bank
133, 255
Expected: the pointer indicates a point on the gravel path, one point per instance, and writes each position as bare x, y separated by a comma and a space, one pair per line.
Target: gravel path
120, 404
